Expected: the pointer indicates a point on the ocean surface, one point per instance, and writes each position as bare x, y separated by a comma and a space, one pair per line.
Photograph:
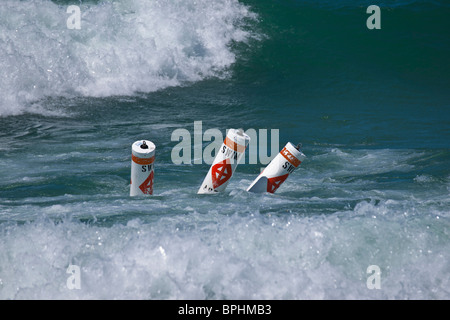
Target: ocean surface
370, 106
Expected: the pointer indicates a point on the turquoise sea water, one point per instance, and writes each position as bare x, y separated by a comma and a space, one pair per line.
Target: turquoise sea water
371, 108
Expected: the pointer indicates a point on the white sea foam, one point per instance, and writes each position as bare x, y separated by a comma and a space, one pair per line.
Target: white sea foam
123, 47
216, 256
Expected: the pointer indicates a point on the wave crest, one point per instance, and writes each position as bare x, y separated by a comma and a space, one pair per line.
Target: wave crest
121, 48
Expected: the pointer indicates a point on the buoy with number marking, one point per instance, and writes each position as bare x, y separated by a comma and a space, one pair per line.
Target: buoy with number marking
225, 162
278, 169
142, 167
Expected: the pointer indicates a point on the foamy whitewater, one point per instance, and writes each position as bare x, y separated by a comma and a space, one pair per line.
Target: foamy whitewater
371, 108
122, 47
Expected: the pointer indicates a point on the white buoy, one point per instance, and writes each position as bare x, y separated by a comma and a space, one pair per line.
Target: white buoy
278, 170
225, 162
142, 167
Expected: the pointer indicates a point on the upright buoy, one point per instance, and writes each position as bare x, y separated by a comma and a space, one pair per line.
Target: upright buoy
278, 169
225, 162
142, 167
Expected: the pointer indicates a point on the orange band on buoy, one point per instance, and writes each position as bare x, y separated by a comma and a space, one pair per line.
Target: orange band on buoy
233, 145
142, 161
290, 157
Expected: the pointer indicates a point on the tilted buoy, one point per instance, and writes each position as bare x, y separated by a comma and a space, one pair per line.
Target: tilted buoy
225, 162
278, 170
142, 167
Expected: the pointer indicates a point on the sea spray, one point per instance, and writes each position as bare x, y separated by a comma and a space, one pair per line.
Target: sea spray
121, 47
